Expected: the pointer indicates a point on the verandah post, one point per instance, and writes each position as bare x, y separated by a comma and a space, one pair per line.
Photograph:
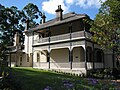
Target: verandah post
93, 57
70, 51
49, 34
70, 58
85, 57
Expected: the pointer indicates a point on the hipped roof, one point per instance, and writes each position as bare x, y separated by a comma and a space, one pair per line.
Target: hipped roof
69, 17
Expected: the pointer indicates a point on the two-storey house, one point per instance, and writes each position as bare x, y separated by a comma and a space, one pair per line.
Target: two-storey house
63, 43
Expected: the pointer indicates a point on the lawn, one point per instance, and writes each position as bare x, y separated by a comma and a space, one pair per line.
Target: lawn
35, 79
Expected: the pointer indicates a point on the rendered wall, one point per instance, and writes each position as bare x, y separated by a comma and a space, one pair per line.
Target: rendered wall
27, 56
43, 56
59, 55
78, 54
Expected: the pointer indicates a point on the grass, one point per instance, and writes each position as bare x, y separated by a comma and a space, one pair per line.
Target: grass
35, 79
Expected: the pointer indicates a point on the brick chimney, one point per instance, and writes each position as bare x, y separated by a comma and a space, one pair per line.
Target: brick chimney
59, 13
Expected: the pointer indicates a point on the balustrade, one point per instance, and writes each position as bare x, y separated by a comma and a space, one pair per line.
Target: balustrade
60, 37
62, 65
64, 37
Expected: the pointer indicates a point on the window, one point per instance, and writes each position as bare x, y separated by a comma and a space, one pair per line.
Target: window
99, 56
48, 57
41, 35
20, 59
27, 57
38, 57
89, 56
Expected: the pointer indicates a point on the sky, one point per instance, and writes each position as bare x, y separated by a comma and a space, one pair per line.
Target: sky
89, 7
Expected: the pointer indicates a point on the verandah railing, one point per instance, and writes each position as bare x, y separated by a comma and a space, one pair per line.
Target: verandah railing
63, 37
66, 65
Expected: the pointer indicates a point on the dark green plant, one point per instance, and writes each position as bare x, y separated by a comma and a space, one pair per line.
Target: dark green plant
106, 27
32, 13
9, 82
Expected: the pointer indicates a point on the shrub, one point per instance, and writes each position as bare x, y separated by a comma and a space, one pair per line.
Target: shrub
9, 82
107, 73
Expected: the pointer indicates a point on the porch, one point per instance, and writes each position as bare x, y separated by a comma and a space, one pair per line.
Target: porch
68, 61
77, 68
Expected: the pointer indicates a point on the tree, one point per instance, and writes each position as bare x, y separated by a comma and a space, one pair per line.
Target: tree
106, 26
11, 21
32, 13
10, 18
9, 25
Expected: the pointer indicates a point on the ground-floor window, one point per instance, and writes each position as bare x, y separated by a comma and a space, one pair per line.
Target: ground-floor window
20, 59
38, 57
99, 55
27, 57
89, 54
48, 55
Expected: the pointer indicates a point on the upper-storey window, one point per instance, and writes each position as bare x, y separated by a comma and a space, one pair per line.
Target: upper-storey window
47, 34
41, 35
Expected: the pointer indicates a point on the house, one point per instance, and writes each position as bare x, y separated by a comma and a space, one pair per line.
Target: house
16, 54
63, 43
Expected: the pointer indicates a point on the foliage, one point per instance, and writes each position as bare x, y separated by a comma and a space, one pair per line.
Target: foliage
11, 22
32, 13
8, 81
9, 25
107, 73
106, 26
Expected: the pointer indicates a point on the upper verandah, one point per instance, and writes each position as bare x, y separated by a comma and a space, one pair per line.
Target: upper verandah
65, 18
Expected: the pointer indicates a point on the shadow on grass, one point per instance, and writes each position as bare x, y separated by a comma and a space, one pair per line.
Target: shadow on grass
34, 79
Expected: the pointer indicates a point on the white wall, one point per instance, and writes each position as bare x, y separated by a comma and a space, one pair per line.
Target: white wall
78, 54
16, 58
35, 56
28, 42
59, 55
28, 49
43, 56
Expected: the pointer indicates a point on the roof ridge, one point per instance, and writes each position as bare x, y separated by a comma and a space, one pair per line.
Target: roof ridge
63, 16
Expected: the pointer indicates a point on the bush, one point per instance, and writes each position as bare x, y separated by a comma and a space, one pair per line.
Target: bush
9, 82
107, 73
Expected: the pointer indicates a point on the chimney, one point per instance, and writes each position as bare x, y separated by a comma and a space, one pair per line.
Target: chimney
59, 13
43, 18
27, 24
16, 38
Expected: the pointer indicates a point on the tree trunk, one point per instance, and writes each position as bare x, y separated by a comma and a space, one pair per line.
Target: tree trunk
113, 58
